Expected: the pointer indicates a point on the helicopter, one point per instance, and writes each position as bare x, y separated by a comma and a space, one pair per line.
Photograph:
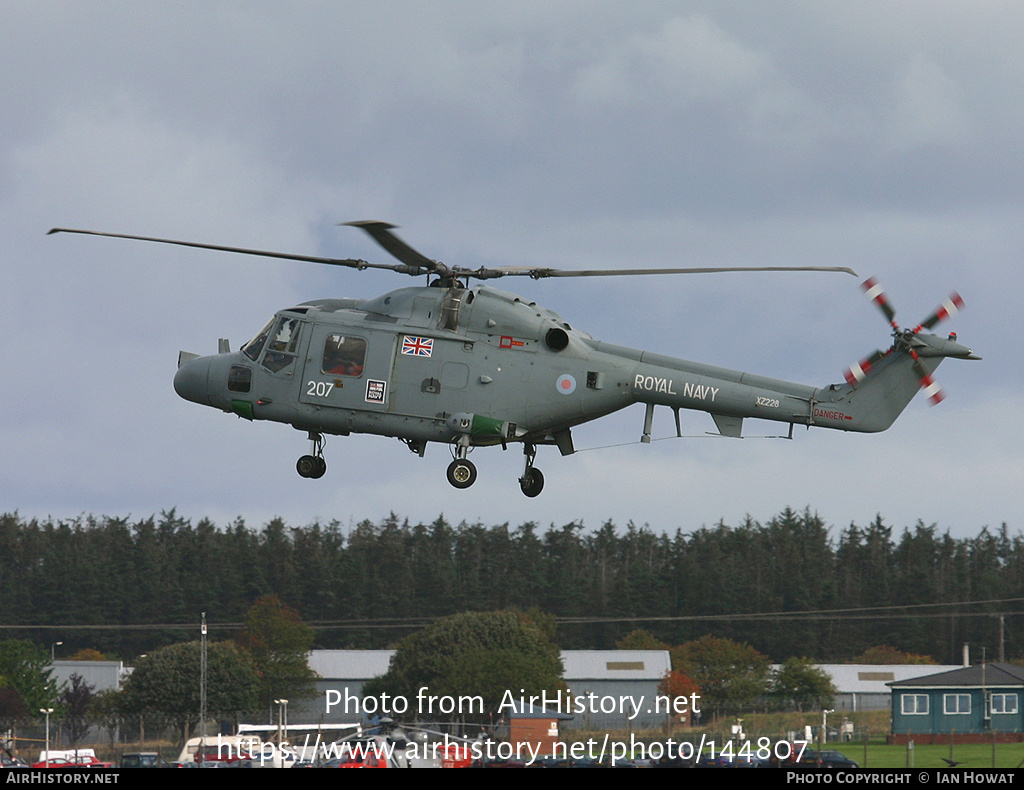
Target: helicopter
469, 365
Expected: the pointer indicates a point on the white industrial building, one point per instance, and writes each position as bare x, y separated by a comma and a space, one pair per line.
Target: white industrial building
620, 686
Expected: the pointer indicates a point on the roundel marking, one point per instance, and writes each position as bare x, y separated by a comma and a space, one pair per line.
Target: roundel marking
565, 384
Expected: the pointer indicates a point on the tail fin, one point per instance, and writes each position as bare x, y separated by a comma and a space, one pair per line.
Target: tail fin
879, 389
879, 397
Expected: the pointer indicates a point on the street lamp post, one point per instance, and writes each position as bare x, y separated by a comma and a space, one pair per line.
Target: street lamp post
46, 712
824, 731
202, 686
282, 720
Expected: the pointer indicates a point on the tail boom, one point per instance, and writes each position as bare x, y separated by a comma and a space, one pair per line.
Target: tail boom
869, 404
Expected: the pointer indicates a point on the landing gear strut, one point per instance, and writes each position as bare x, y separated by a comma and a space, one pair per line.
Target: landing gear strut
461, 471
314, 465
532, 481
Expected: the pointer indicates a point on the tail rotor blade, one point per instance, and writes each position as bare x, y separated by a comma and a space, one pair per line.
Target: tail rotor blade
928, 384
877, 295
949, 308
855, 374
932, 390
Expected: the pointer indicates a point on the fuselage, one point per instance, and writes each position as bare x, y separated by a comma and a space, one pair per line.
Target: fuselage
433, 364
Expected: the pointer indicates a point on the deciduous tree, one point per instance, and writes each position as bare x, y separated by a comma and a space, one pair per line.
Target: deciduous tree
640, 640
166, 684
801, 685
676, 687
25, 668
279, 643
731, 675
75, 701
88, 654
106, 710
885, 654
481, 654
12, 707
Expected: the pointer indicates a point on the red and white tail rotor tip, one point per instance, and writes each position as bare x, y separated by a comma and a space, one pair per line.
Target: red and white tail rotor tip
932, 390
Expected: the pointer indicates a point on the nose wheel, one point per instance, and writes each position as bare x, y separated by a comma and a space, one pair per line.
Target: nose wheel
313, 466
462, 473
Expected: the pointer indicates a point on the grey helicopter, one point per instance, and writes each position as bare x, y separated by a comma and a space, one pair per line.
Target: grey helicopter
471, 365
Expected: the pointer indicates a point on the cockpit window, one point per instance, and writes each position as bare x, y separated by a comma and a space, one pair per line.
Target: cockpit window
240, 378
344, 355
286, 337
253, 348
282, 346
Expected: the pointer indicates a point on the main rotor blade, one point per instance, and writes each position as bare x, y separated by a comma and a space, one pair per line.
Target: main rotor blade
351, 263
538, 273
415, 263
381, 233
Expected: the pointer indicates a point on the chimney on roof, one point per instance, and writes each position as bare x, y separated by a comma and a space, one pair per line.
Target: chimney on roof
967, 655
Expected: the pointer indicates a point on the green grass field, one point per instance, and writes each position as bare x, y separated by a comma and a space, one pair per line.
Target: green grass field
970, 755
876, 724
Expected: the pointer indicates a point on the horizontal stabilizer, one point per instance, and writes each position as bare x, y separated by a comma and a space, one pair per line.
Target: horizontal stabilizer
729, 426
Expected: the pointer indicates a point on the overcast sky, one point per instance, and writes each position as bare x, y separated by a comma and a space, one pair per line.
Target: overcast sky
883, 136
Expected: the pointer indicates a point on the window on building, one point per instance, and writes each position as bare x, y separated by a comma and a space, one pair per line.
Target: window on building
914, 704
1004, 703
956, 703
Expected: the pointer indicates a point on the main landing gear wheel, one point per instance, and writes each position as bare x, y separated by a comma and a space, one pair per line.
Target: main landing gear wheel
532, 482
311, 466
461, 473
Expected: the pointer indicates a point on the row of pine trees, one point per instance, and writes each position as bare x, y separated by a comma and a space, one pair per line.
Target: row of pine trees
917, 588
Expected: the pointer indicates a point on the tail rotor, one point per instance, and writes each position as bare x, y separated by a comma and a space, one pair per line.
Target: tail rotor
907, 340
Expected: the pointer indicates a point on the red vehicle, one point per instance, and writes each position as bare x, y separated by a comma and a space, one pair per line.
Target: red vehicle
397, 750
85, 759
229, 757
82, 761
456, 756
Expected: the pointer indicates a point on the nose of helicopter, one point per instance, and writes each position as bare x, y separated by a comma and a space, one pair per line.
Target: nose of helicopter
191, 380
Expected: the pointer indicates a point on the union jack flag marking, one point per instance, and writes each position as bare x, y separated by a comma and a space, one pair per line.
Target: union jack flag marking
418, 346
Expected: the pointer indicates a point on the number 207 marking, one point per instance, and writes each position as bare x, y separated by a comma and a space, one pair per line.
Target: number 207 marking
320, 389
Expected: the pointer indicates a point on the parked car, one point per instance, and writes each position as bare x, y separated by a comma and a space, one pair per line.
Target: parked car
8, 760
827, 758
143, 760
